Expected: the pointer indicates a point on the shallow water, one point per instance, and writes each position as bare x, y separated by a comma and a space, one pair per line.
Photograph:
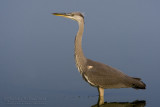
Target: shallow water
37, 65
78, 98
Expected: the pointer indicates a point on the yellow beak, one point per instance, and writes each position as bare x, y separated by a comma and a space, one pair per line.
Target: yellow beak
67, 15
59, 14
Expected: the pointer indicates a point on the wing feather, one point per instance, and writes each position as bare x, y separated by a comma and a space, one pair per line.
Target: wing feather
104, 76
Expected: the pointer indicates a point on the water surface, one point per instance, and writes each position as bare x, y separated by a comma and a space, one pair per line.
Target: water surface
36, 51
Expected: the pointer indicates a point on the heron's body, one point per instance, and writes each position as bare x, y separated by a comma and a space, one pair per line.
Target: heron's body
95, 73
104, 76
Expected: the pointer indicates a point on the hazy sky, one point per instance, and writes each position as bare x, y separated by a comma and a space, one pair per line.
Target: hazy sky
37, 48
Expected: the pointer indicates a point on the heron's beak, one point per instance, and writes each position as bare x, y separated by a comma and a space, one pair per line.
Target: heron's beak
67, 15
61, 14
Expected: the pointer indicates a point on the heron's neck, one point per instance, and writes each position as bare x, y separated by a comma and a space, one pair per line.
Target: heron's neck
79, 56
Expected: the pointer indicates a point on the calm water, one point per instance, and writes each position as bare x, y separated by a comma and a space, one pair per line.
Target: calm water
36, 52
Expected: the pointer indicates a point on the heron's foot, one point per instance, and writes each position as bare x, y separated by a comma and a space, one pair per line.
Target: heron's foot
101, 100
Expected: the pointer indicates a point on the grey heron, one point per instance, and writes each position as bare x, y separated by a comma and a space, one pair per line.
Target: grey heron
95, 73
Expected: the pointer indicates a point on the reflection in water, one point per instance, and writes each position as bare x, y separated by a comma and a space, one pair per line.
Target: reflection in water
136, 103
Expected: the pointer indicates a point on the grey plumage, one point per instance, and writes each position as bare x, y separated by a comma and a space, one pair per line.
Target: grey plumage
95, 73
105, 76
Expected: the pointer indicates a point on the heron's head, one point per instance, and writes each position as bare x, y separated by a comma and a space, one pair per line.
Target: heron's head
74, 15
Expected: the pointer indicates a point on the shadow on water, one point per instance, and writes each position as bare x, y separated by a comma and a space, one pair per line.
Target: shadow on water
136, 103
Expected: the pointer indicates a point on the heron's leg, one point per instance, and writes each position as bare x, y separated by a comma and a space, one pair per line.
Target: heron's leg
101, 91
101, 96
100, 100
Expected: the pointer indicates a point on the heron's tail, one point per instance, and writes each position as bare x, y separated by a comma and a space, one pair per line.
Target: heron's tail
138, 84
